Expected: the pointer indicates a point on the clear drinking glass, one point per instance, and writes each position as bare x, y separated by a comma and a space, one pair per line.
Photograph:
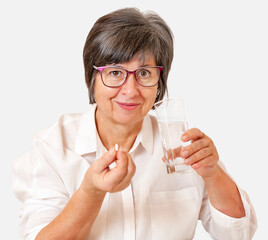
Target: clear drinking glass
172, 122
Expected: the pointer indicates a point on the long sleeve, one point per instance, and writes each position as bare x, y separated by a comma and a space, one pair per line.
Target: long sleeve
221, 226
38, 185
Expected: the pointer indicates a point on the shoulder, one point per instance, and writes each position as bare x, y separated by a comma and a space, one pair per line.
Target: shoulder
64, 122
64, 131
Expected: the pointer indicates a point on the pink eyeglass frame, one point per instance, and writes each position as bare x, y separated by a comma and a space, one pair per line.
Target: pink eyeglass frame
160, 68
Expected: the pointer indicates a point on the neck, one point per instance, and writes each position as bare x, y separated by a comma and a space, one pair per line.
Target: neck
112, 133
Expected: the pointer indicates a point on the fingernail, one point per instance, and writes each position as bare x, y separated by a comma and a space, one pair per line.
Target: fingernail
195, 166
187, 160
184, 138
185, 154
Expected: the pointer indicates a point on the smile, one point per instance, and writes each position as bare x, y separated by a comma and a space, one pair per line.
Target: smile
128, 106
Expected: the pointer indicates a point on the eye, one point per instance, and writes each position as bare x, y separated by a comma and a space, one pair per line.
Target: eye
144, 73
115, 73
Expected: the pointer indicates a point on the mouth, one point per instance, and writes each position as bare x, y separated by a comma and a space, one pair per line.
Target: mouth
128, 106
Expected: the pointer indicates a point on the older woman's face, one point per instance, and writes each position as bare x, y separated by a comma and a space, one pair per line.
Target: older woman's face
128, 103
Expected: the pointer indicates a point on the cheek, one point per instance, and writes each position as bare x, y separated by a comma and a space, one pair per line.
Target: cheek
105, 94
102, 92
150, 96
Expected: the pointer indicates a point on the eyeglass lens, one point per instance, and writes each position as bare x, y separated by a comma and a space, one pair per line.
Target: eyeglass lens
147, 76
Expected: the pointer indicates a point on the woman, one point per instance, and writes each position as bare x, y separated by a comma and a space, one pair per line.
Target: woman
75, 185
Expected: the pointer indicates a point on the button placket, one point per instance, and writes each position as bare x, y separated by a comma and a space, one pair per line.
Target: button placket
129, 215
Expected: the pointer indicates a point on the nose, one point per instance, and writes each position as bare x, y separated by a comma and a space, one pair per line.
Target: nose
130, 87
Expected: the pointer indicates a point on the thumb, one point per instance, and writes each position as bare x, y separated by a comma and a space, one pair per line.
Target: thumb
105, 160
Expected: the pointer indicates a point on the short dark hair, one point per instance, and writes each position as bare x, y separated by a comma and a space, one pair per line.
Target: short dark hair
119, 35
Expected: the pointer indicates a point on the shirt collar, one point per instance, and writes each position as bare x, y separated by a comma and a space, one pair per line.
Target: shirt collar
87, 136
87, 133
145, 136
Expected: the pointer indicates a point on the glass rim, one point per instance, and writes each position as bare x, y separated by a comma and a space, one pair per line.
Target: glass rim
172, 107
158, 103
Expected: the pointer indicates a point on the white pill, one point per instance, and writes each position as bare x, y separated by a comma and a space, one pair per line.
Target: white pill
112, 165
116, 147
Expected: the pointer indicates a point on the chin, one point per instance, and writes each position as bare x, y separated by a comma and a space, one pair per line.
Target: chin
127, 119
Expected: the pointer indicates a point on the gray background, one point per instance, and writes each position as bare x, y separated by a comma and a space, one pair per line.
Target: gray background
220, 69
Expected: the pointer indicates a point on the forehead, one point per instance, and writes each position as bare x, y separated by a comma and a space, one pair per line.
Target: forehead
142, 59
146, 57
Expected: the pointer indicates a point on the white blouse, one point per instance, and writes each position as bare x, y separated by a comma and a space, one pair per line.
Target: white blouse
156, 205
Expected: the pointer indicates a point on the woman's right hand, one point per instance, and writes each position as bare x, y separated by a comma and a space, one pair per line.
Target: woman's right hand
99, 178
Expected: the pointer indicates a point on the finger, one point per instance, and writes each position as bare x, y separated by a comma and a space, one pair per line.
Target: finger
199, 155
130, 173
121, 160
194, 147
192, 134
104, 161
173, 153
177, 152
207, 162
118, 173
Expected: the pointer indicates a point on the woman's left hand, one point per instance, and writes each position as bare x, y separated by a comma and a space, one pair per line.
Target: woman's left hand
201, 154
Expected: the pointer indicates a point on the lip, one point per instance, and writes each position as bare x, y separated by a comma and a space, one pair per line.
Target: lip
128, 106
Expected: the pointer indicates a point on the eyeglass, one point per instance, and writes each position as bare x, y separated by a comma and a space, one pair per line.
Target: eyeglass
116, 76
